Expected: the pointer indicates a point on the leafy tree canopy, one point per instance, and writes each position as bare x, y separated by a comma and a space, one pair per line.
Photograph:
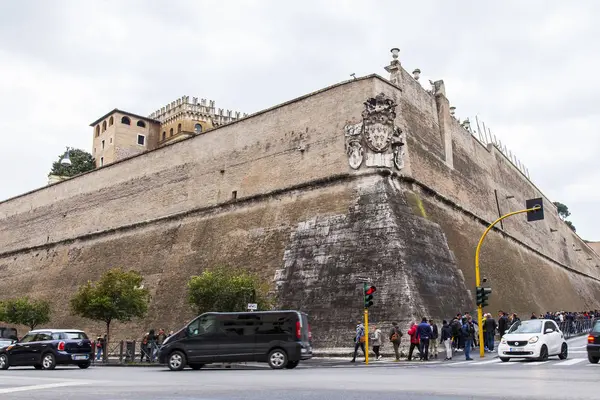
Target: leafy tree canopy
81, 161
117, 295
23, 311
570, 225
563, 210
227, 289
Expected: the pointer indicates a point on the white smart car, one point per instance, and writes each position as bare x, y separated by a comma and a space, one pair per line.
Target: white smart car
534, 338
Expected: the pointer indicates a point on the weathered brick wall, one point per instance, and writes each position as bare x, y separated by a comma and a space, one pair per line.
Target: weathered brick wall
253, 156
169, 214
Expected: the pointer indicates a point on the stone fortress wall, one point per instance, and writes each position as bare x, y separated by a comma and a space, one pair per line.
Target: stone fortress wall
274, 192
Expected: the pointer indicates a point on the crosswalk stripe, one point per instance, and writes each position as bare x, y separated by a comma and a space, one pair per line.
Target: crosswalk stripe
535, 363
460, 362
496, 360
572, 361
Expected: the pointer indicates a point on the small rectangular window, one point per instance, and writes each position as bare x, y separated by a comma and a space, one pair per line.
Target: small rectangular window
110, 140
103, 145
101, 161
141, 140
234, 195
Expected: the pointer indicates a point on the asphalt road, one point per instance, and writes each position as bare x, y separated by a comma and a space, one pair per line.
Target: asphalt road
489, 378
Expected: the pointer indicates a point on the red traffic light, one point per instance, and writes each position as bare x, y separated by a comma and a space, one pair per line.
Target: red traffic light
371, 290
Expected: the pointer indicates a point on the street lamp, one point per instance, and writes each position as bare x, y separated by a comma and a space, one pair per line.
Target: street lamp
66, 161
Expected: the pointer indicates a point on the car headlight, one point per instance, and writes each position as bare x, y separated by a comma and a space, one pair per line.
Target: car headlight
533, 339
503, 340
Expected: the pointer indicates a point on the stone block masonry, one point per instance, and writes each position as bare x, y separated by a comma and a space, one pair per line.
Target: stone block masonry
358, 179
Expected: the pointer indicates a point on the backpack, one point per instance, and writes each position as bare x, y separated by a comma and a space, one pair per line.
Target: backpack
396, 335
455, 328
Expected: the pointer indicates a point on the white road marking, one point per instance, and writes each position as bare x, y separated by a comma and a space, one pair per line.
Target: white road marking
535, 363
461, 362
41, 387
578, 351
496, 360
572, 361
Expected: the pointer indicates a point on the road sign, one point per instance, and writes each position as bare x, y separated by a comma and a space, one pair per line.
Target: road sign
535, 215
252, 306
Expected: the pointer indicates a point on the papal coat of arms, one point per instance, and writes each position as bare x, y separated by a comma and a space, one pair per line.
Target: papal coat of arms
375, 140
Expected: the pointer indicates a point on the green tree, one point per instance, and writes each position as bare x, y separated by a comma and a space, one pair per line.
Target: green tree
81, 161
226, 289
563, 213
117, 296
563, 210
23, 311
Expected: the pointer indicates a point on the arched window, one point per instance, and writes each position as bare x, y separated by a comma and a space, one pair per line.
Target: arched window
110, 121
103, 126
126, 121
97, 130
197, 128
178, 128
171, 132
141, 124
164, 135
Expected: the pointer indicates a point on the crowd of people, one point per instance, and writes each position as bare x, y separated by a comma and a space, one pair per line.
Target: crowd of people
460, 334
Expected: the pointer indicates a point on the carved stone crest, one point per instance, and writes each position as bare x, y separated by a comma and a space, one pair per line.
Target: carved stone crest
375, 140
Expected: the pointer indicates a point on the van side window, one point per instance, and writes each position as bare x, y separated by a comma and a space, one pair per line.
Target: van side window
239, 325
203, 325
273, 324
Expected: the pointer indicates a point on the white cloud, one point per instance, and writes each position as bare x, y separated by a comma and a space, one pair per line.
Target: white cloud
526, 68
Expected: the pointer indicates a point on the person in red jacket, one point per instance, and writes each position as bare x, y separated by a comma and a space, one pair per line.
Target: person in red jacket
414, 340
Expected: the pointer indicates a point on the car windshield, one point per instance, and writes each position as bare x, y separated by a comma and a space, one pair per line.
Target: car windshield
531, 326
596, 328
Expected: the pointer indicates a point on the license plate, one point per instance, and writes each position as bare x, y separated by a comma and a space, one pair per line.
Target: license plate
513, 349
80, 357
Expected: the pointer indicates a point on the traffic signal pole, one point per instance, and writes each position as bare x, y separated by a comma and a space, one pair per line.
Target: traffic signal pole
477, 275
366, 336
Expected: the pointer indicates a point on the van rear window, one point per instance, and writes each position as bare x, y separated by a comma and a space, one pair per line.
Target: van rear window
76, 335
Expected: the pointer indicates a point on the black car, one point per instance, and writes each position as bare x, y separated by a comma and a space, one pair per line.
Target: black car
593, 347
47, 348
280, 338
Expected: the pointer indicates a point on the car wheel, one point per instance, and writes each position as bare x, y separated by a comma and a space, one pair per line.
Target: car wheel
37, 366
504, 359
278, 359
292, 364
84, 365
564, 352
3, 361
196, 367
176, 361
48, 361
593, 360
543, 353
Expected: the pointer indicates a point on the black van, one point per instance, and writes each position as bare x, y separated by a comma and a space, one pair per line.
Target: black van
281, 338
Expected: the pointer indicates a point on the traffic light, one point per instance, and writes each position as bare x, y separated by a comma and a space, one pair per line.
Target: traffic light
538, 214
368, 294
483, 296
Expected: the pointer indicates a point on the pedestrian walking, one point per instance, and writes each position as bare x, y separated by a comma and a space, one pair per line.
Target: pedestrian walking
424, 332
468, 332
395, 337
359, 341
414, 340
446, 339
99, 347
377, 342
433, 343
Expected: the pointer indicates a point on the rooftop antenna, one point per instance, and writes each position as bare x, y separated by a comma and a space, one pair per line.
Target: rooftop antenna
353, 75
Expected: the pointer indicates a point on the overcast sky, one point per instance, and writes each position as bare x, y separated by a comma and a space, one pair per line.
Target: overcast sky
528, 68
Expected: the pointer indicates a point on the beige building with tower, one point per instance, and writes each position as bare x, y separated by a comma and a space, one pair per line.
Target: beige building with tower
120, 134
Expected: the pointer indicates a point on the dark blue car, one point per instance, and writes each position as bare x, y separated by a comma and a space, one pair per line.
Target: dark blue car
47, 348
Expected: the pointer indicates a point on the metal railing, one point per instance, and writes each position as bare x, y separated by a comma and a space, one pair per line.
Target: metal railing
129, 351
576, 327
